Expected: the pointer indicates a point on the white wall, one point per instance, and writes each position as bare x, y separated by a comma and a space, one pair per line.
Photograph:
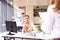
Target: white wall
43, 2
34, 2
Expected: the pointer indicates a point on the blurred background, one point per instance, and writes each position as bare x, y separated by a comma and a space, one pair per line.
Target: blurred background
36, 9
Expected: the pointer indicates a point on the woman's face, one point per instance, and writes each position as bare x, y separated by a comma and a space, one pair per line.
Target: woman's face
27, 19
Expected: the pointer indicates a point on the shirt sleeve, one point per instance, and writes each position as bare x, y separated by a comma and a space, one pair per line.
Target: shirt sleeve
50, 21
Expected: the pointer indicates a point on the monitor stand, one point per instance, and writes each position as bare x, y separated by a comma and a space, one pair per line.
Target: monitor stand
10, 33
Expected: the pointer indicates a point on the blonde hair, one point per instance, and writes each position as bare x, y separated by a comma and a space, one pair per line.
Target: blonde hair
57, 5
52, 2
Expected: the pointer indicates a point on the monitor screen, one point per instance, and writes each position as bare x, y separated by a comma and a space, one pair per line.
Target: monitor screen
11, 26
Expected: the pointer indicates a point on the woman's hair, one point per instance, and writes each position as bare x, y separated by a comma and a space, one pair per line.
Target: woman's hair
23, 13
27, 16
52, 2
57, 5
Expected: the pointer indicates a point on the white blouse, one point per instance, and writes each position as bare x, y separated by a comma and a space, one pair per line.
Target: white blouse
53, 23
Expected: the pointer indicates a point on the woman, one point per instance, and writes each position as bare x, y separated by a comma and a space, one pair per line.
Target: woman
28, 25
53, 24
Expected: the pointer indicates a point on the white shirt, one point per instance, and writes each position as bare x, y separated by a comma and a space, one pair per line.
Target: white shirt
19, 20
53, 23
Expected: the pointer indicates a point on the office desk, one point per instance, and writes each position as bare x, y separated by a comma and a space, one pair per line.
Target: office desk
26, 36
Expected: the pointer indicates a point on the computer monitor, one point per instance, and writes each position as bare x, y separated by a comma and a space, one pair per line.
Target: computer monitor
11, 27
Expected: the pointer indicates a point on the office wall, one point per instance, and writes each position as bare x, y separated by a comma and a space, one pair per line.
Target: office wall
29, 11
29, 5
34, 2
43, 2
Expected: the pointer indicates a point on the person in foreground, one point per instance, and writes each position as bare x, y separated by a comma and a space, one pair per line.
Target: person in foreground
53, 24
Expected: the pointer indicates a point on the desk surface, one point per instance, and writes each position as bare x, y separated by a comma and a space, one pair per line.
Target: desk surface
28, 35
